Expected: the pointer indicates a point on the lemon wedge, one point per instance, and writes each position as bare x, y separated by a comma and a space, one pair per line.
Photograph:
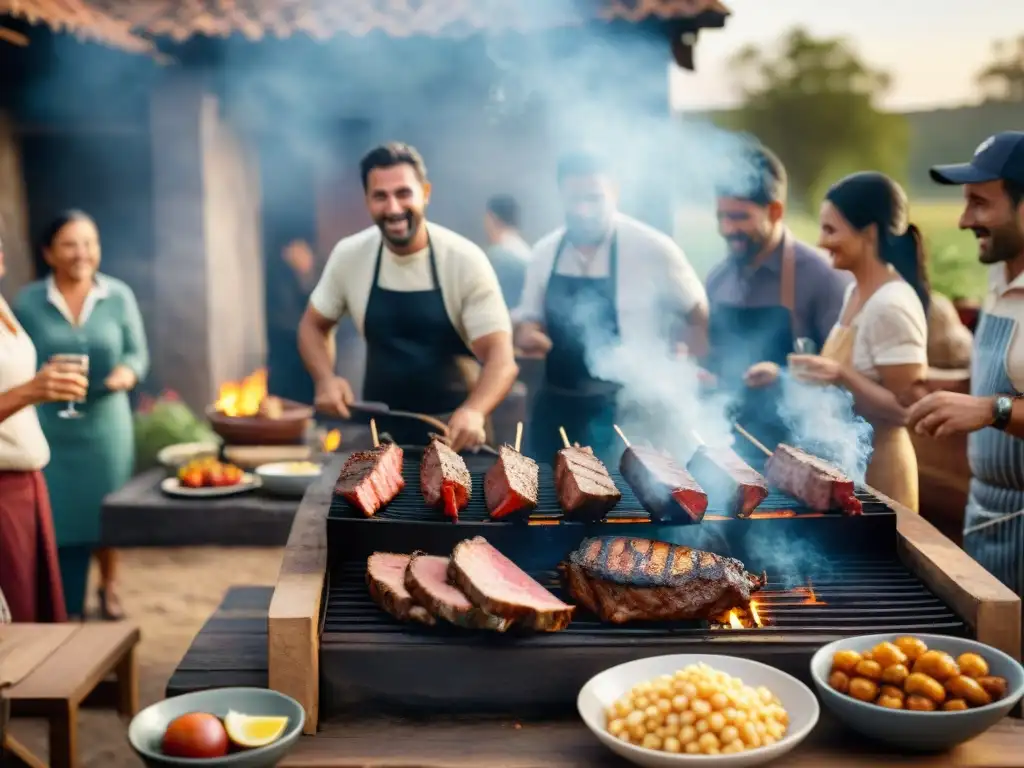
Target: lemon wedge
250, 732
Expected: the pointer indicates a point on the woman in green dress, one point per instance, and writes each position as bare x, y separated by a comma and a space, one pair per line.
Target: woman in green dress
78, 311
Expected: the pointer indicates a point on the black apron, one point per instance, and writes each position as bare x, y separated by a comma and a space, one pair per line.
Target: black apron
740, 336
581, 319
411, 352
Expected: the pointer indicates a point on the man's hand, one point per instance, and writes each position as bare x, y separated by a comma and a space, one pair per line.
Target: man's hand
466, 429
942, 414
815, 369
121, 379
333, 396
533, 341
760, 375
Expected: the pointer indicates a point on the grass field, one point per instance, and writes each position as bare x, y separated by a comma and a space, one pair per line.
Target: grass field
952, 255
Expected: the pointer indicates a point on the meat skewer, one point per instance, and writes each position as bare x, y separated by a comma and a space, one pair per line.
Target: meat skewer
811, 480
510, 485
725, 475
668, 492
623, 579
370, 479
586, 492
445, 480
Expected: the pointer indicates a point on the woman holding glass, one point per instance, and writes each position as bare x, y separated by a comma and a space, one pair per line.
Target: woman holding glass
879, 348
78, 316
29, 573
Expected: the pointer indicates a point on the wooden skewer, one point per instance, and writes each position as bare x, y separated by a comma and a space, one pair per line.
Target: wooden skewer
519, 435
697, 437
565, 437
620, 433
373, 433
757, 443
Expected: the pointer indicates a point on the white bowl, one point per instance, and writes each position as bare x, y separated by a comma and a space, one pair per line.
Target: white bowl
278, 479
604, 689
918, 731
173, 457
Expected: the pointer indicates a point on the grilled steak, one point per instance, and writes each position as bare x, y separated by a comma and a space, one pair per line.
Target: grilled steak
444, 479
510, 485
811, 480
371, 479
385, 578
728, 479
666, 490
498, 586
586, 492
625, 579
426, 578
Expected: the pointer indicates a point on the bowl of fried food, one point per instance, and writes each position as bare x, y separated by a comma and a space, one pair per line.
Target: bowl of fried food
289, 479
685, 709
917, 692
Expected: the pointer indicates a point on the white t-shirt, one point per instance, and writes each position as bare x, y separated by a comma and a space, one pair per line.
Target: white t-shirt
469, 286
650, 265
1007, 300
891, 329
22, 445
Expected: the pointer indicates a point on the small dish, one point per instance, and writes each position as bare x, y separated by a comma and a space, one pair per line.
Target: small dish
288, 478
172, 487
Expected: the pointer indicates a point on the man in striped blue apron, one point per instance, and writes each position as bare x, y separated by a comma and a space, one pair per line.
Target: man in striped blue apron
993, 414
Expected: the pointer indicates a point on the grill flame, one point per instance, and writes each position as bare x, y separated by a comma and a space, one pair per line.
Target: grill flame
738, 618
331, 441
243, 398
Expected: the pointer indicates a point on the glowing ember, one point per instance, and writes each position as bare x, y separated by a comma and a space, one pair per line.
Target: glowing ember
243, 398
332, 440
734, 620
754, 614
739, 618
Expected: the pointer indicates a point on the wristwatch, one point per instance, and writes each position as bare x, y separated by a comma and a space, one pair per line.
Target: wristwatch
1002, 411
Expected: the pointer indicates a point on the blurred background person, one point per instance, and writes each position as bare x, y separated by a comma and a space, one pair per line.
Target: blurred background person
78, 311
508, 251
292, 281
29, 572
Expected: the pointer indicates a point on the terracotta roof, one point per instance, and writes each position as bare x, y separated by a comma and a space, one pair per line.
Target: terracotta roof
78, 17
180, 19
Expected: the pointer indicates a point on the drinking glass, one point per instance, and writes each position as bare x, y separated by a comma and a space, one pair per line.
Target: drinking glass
805, 346
82, 362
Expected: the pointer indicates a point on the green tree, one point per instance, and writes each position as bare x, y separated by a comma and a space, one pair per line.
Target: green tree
814, 101
1003, 79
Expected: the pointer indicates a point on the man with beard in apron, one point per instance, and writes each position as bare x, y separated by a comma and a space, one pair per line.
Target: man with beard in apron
426, 300
768, 292
992, 414
602, 282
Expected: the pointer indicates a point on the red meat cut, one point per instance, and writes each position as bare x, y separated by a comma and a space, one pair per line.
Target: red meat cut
815, 482
510, 485
727, 477
371, 479
444, 479
666, 490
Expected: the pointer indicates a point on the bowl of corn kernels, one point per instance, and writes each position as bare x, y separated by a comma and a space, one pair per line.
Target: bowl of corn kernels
668, 711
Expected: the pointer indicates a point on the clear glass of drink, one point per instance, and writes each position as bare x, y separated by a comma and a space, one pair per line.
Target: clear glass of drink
82, 363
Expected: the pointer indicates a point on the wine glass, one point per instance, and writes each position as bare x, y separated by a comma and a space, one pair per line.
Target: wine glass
82, 363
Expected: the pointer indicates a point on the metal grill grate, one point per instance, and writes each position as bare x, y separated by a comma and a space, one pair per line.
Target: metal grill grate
409, 506
857, 597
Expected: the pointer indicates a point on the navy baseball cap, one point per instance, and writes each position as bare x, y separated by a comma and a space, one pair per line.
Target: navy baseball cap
997, 157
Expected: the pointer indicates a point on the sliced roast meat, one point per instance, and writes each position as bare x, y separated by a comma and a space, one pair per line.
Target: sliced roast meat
510, 485
385, 578
623, 579
495, 584
729, 481
444, 479
586, 492
811, 480
371, 479
426, 578
666, 490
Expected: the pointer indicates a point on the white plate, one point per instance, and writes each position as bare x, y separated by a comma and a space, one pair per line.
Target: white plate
173, 487
604, 689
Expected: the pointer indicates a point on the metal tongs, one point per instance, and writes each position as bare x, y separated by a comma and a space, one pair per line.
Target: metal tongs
441, 429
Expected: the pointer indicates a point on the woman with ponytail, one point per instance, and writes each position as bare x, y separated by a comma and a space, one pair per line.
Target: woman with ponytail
879, 348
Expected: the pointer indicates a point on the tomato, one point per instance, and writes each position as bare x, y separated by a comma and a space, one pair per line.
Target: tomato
195, 735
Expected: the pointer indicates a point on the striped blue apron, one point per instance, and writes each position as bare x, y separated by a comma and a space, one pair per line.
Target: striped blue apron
994, 520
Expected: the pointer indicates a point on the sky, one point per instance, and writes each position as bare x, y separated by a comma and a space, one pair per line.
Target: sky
932, 48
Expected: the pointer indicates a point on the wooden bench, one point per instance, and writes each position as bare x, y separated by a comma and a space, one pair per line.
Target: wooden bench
231, 648
68, 667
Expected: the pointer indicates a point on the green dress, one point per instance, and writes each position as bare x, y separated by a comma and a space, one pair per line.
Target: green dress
94, 455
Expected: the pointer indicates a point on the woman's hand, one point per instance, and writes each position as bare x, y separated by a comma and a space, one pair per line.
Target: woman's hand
121, 379
761, 375
815, 369
58, 382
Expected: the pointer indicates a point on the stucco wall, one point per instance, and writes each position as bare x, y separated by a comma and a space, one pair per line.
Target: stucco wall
13, 213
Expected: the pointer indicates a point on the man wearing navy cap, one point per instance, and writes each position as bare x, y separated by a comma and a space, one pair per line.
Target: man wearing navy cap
993, 414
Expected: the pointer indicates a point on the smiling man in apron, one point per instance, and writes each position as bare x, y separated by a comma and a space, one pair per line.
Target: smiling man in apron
426, 300
993, 413
769, 291
602, 282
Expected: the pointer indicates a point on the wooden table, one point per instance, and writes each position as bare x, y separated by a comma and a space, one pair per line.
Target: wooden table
141, 515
